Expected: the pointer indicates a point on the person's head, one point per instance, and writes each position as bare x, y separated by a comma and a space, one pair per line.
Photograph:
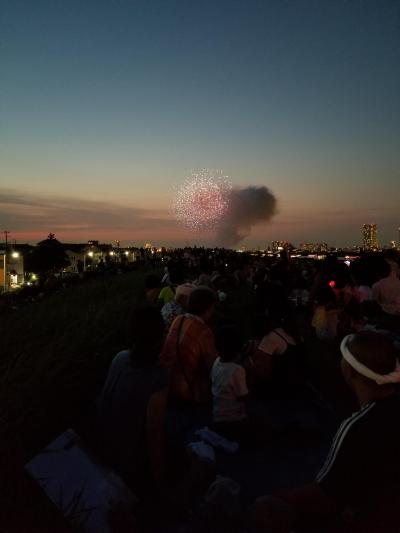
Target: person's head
205, 266
392, 256
391, 260
182, 294
342, 276
202, 302
382, 268
228, 342
369, 364
324, 294
176, 276
145, 334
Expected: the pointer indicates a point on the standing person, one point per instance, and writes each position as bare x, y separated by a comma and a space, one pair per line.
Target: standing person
362, 468
189, 350
131, 412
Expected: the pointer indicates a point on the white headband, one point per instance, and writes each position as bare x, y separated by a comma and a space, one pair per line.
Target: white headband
380, 379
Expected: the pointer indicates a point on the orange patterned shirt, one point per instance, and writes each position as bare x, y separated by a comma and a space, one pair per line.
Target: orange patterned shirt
189, 358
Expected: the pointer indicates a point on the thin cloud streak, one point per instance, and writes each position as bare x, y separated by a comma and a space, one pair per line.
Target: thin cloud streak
31, 217
24, 212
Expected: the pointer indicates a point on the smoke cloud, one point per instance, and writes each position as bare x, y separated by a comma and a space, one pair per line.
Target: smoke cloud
247, 207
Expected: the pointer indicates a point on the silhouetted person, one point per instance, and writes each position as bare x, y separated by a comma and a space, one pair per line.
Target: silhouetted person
189, 350
131, 412
362, 464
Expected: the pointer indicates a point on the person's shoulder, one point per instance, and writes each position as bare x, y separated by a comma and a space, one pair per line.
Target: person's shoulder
285, 336
353, 434
229, 364
375, 422
378, 283
166, 307
177, 321
388, 406
120, 363
268, 337
360, 422
122, 357
238, 369
270, 340
199, 327
217, 365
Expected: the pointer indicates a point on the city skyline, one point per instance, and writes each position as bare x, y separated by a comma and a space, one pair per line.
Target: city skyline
108, 106
368, 242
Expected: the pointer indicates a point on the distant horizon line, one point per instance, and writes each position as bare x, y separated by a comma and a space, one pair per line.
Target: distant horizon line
126, 244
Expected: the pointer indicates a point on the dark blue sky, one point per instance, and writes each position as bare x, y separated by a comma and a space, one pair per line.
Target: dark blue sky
117, 100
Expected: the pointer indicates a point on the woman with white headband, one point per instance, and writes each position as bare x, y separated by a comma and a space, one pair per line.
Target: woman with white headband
363, 464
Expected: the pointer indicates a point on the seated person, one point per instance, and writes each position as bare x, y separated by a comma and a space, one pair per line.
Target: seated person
167, 293
179, 305
131, 410
152, 287
275, 354
189, 350
228, 385
326, 314
386, 292
363, 461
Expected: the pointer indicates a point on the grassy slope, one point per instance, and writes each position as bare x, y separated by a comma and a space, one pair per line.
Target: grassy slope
53, 358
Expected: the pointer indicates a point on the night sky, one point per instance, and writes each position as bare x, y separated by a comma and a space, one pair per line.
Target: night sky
106, 105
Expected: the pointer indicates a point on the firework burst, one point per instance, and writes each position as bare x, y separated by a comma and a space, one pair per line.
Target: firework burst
202, 199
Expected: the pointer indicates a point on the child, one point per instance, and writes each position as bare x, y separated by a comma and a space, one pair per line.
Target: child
229, 387
326, 314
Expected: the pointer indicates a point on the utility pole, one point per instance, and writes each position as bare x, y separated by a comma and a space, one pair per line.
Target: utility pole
5, 284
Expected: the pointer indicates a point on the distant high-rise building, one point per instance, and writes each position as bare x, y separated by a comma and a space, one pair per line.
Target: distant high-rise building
314, 247
370, 237
278, 246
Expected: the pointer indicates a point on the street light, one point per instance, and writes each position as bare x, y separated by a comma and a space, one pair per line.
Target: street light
4, 271
15, 254
6, 233
90, 254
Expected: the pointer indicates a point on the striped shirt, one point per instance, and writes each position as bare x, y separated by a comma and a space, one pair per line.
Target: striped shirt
364, 457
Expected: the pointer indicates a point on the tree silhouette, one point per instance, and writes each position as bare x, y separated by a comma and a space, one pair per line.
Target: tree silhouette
48, 256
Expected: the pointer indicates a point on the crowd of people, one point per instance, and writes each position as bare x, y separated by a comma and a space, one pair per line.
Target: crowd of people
191, 370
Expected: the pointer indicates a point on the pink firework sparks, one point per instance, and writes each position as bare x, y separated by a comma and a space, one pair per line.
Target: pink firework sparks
202, 199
